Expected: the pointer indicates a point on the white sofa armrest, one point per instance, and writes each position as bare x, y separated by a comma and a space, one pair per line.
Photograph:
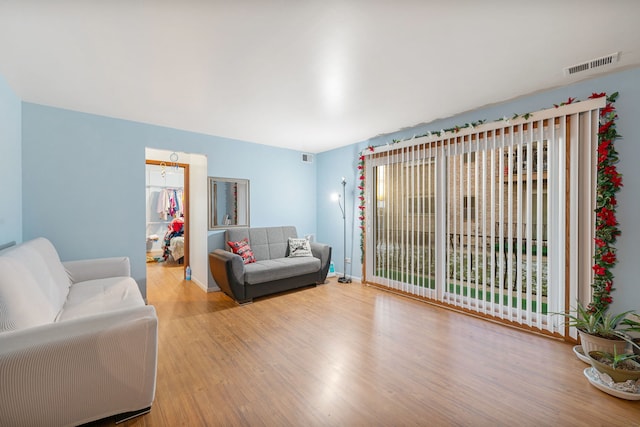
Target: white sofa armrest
99, 268
76, 371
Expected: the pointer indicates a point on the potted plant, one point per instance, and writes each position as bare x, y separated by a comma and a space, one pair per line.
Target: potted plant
600, 330
620, 367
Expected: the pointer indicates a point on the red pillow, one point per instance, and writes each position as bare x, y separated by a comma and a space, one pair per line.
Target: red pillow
243, 249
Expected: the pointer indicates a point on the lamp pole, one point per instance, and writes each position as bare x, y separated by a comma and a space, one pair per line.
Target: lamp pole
344, 278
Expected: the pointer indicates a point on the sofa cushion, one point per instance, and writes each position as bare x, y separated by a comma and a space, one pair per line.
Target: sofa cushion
266, 242
243, 249
280, 268
100, 296
23, 303
299, 247
42, 260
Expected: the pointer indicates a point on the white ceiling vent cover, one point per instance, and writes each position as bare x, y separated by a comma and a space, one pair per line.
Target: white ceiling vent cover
592, 64
307, 158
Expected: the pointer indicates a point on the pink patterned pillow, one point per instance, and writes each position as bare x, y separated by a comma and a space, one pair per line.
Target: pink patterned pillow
243, 249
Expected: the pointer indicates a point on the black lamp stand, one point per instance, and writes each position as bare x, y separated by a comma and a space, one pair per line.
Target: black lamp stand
344, 278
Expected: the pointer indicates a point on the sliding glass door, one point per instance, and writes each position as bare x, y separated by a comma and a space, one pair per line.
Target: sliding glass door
490, 220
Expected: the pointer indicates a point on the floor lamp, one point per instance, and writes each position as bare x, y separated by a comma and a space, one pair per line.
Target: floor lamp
344, 278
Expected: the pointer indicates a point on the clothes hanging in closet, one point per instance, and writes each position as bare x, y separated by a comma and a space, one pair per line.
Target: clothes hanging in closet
170, 203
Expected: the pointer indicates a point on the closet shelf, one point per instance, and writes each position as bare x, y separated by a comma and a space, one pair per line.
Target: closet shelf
176, 187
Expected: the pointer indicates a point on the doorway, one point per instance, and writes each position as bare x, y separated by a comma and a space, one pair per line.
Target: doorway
167, 201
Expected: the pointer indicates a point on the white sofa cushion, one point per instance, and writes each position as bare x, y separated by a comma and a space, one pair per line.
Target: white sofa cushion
100, 296
42, 260
23, 303
101, 268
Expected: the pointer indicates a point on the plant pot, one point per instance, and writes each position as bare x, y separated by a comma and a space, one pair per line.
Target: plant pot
595, 343
618, 375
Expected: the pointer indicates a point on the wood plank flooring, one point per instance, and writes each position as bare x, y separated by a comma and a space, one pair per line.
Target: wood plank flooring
352, 355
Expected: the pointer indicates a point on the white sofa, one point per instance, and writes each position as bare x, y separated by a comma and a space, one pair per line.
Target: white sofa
77, 342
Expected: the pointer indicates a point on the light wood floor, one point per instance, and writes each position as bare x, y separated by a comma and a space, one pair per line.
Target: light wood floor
351, 355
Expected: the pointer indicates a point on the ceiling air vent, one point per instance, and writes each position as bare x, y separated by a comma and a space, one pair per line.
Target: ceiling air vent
592, 64
307, 158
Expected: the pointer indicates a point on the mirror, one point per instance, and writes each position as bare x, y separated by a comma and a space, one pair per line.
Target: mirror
228, 202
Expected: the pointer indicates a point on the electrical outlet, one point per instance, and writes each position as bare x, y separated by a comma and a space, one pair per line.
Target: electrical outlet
347, 260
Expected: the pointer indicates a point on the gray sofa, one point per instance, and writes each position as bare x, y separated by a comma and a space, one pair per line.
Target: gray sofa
274, 270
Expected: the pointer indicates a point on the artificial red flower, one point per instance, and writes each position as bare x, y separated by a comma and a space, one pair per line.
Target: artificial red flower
603, 147
597, 95
608, 216
609, 257
568, 101
611, 170
598, 270
599, 242
605, 127
608, 109
362, 158
371, 148
616, 181
360, 167
613, 201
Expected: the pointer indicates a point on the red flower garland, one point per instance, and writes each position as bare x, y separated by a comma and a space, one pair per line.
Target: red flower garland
608, 183
362, 205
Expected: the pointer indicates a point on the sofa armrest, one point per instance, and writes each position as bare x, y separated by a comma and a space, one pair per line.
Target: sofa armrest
75, 371
98, 268
227, 270
323, 252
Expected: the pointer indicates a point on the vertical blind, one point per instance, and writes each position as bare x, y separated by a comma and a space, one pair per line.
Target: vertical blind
488, 219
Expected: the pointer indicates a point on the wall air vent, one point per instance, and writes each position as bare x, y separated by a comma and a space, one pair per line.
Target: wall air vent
592, 64
307, 158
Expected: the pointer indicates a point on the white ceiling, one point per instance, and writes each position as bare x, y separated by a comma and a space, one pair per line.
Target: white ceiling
304, 74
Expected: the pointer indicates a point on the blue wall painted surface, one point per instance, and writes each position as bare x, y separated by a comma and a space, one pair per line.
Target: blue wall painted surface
10, 164
332, 166
84, 182
343, 162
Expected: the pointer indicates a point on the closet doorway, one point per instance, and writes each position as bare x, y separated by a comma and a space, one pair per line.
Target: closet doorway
167, 201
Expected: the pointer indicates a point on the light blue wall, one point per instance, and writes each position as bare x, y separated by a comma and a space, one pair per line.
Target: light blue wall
343, 162
10, 164
332, 166
84, 182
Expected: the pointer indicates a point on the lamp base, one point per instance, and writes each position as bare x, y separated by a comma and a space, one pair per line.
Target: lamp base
344, 279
